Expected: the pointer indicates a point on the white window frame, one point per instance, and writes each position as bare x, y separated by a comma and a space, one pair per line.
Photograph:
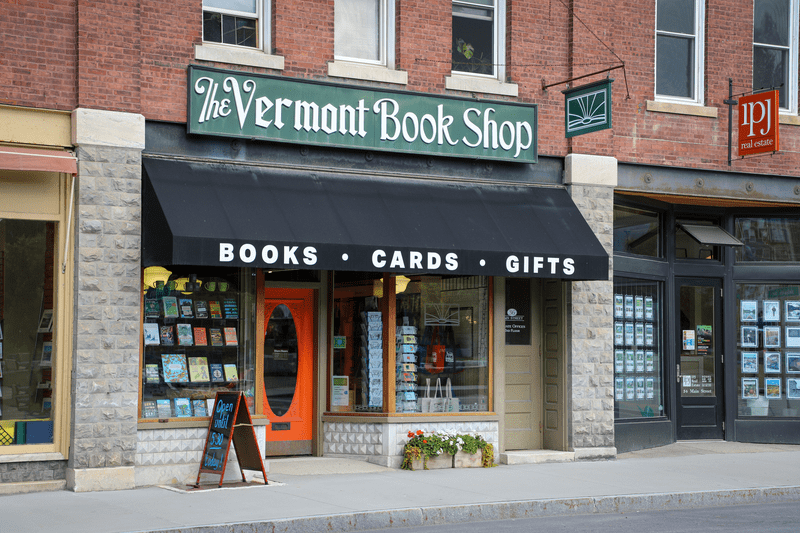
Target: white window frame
791, 83
262, 16
499, 44
244, 55
699, 57
387, 39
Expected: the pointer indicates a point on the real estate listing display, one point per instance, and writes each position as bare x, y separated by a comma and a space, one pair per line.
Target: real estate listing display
769, 350
637, 350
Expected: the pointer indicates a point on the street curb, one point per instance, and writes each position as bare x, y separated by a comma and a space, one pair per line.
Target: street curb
481, 512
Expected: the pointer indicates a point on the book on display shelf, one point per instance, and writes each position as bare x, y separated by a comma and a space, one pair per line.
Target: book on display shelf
164, 408
151, 374
183, 407
184, 334
217, 373
170, 304
151, 334
231, 373
198, 370
167, 336
186, 307
201, 309
149, 409
200, 336
216, 336
215, 309
175, 368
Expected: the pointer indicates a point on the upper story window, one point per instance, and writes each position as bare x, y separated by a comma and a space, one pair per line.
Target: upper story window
775, 49
478, 37
679, 50
364, 31
236, 22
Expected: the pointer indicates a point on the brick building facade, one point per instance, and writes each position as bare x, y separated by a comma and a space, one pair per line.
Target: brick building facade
94, 104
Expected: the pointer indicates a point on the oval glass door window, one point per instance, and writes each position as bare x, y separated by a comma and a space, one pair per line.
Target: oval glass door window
280, 360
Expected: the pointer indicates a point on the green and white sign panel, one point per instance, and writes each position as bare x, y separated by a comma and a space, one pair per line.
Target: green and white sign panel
587, 108
254, 106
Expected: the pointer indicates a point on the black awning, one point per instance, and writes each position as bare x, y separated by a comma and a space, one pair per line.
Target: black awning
200, 213
710, 235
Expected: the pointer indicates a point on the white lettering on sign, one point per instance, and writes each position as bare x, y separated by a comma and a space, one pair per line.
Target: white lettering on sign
270, 254
414, 260
749, 116
526, 266
241, 96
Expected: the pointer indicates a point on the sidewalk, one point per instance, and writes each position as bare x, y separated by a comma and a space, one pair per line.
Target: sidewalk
318, 494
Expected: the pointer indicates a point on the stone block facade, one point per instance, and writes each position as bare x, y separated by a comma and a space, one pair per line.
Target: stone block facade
591, 182
107, 299
383, 443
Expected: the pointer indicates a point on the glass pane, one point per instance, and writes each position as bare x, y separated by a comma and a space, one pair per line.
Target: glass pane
771, 69
771, 22
675, 66
212, 27
443, 327
698, 353
636, 231
768, 239
26, 331
358, 29
198, 339
638, 389
473, 40
441, 334
768, 342
479, 2
239, 31
686, 247
280, 360
675, 16
245, 6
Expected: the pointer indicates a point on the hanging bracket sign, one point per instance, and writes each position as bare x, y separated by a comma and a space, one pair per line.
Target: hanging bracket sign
758, 123
230, 421
587, 108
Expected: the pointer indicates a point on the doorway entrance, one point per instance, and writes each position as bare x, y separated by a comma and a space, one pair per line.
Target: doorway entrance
289, 370
700, 407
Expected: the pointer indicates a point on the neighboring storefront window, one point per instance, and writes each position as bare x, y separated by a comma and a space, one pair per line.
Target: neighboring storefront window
768, 341
440, 338
638, 359
27, 316
768, 239
636, 231
198, 339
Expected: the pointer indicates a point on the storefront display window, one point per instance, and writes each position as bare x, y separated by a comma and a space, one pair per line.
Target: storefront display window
198, 332
638, 367
636, 231
768, 239
27, 350
440, 356
768, 341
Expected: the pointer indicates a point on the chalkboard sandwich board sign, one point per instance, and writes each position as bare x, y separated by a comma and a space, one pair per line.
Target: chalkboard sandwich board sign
230, 421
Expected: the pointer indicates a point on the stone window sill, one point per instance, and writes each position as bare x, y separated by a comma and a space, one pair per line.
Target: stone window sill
789, 120
236, 55
475, 84
682, 109
361, 71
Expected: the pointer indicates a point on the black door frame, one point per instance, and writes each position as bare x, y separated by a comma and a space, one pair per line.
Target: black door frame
701, 431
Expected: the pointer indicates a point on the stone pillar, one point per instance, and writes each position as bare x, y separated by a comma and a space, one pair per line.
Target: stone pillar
591, 181
107, 299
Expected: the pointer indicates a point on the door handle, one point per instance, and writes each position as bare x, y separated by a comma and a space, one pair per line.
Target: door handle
678, 373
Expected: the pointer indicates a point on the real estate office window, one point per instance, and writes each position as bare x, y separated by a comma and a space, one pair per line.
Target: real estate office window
775, 47
679, 51
236, 22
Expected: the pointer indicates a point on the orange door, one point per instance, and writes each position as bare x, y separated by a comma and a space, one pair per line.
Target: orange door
288, 370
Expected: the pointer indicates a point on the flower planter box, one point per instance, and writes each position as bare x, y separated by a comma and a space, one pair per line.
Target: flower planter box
467, 460
434, 463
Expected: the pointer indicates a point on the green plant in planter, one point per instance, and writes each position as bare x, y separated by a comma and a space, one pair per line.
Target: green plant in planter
422, 446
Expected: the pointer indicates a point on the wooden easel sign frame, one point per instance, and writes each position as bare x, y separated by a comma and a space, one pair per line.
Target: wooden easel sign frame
230, 421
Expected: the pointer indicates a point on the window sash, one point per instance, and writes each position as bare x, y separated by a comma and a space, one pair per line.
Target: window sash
343, 50
691, 70
479, 10
785, 66
260, 14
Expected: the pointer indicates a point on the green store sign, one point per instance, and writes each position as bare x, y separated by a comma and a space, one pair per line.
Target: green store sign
587, 108
253, 106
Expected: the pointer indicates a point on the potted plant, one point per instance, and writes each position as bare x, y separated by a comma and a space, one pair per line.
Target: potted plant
442, 449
